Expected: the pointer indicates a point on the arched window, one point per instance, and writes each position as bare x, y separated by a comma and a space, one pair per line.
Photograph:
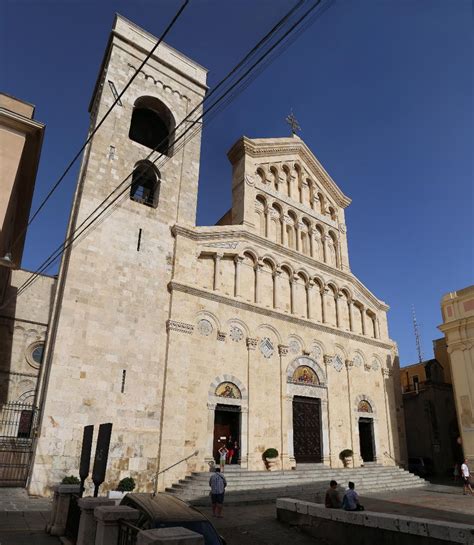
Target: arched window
145, 187
152, 124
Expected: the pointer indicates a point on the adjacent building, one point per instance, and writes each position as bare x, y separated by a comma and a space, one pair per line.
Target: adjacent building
457, 309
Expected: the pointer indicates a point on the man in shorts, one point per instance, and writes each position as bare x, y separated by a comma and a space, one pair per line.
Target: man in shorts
217, 483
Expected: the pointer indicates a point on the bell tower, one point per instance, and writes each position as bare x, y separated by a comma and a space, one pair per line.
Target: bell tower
104, 357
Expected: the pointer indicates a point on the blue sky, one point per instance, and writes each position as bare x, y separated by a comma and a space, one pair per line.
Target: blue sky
383, 93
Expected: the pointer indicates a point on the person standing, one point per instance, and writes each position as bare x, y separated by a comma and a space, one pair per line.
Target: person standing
217, 483
466, 478
222, 456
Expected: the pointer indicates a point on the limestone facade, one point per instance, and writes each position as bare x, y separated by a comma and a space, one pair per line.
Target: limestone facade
457, 309
158, 325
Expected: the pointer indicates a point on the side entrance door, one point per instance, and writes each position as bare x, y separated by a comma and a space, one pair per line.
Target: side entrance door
366, 436
307, 430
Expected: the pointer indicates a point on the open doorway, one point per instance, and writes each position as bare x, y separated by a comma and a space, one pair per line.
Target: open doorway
366, 437
227, 431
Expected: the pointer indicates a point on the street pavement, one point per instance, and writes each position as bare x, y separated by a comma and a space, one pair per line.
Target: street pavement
23, 519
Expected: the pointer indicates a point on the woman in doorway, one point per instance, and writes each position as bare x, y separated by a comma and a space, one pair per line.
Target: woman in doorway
236, 452
222, 456
230, 449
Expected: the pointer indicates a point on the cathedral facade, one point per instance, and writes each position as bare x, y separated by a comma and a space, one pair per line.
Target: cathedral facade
183, 337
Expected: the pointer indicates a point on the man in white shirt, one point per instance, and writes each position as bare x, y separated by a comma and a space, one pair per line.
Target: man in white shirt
465, 475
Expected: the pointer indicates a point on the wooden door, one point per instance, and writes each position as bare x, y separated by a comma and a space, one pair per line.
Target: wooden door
307, 430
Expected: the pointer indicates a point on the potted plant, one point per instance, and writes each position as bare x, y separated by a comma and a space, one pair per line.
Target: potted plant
127, 484
346, 456
270, 458
70, 479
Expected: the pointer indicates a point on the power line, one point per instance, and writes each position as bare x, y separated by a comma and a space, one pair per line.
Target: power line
116, 101
47, 263
75, 235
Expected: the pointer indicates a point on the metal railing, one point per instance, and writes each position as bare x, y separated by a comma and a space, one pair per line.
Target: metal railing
17, 420
155, 487
128, 533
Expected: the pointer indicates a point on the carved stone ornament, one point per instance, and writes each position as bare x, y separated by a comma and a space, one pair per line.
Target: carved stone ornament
337, 363
328, 359
357, 360
180, 327
375, 365
266, 347
294, 347
204, 327
282, 350
316, 352
221, 335
349, 364
342, 228
236, 334
249, 179
251, 343
226, 245
386, 373
367, 366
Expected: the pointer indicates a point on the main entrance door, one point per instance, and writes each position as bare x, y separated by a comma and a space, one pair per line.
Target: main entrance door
307, 430
226, 428
366, 436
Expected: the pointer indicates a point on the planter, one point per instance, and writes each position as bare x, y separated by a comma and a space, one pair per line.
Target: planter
347, 462
272, 464
115, 494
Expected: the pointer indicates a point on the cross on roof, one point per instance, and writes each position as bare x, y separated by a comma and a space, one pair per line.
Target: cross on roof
292, 122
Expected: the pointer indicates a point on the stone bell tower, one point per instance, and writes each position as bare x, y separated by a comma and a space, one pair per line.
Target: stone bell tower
104, 357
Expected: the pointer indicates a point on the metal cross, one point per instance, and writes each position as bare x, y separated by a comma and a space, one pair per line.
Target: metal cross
292, 122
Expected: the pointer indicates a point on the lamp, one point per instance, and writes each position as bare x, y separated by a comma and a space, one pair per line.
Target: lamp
6, 261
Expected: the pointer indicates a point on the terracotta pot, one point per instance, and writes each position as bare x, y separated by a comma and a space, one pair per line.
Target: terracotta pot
272, 463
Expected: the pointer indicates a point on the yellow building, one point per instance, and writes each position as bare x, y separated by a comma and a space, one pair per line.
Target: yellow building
458, 326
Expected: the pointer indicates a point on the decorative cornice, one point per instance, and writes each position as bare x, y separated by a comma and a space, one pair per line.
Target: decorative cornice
288, 146
240, 231
180, 327
302, 322
156, 81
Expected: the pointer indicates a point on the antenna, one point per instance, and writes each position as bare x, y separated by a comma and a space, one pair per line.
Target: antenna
417, 335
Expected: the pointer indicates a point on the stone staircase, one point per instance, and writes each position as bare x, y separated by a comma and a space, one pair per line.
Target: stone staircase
308, 482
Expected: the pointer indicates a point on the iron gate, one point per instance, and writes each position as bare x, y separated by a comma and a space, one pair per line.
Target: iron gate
17, 429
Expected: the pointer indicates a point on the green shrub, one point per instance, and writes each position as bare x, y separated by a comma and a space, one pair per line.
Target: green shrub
270, 453
126, 485
346, 453
71, 479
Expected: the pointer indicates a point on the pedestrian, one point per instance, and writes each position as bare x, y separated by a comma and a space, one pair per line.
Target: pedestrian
230, 450
217, 483
222, 456
466, 478
456, 472
332, 500
351, 501
236, 453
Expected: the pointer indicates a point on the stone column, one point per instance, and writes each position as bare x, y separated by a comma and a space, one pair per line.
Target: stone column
349, 365
325, 248
276, 289
258, 270
209, 456
297, 236
245, 439
338, 310
217, 268
244, 447
284, 234
325, 426
238, 262
386, 373
282, 352
169, 536
108, 522
292, 295
288, 402
309, 299
311, 242
351, 317
65, 491
88, 523
362, 319
323, 305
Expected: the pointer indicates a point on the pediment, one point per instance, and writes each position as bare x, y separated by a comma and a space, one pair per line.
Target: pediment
291, 149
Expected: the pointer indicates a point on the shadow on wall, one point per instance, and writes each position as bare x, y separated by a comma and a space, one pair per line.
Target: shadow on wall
7, 313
